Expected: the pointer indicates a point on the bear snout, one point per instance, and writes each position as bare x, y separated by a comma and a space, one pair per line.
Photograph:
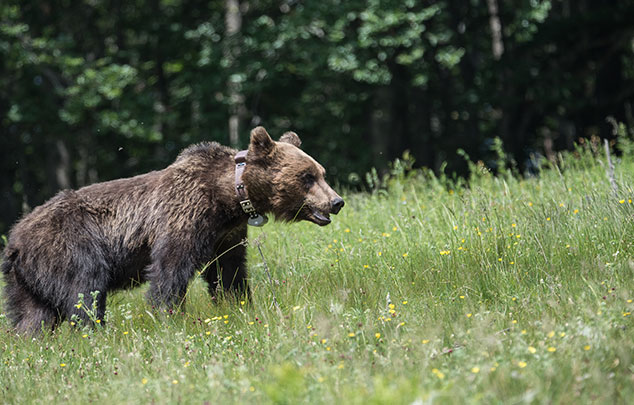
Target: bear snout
336, 205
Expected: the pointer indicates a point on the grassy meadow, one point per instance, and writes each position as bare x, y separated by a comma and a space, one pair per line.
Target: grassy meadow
503, 290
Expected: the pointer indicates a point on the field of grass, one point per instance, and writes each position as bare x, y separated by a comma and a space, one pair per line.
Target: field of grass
505, 291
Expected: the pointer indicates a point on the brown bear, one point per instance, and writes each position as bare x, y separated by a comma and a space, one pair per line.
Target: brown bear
158, 227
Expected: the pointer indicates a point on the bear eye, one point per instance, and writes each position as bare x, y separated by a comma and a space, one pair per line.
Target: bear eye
308, 179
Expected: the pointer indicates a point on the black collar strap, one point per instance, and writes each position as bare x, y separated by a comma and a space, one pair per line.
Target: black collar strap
255, 219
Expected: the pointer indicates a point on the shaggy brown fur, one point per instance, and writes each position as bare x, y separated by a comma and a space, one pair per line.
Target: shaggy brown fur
157, 227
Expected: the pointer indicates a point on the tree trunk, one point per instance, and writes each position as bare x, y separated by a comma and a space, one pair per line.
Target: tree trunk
496, 29
163, 103
233, 24
62, 169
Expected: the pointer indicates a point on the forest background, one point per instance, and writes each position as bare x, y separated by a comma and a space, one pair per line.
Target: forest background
95, 90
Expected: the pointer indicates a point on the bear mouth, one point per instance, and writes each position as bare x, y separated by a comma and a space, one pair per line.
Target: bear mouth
318, 218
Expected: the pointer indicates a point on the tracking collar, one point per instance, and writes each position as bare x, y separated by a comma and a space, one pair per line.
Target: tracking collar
255, 219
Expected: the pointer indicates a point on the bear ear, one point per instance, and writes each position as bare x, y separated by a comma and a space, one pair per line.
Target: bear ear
292, 138
261, 141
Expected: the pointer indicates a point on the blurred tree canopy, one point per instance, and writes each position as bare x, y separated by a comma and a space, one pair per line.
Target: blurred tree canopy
92, 90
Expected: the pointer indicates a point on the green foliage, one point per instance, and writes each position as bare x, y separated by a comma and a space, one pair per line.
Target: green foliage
508, 290
89, 309
624, 138
96, 90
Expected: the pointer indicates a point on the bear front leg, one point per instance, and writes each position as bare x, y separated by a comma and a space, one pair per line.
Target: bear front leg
230, 269
169, 273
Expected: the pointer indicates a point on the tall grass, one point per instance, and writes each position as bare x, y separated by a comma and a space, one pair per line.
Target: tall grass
506, 290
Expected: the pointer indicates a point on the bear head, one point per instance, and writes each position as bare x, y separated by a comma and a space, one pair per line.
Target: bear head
282, 179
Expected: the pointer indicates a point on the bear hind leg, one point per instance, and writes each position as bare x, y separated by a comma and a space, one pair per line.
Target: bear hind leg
37, 318
28, 314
